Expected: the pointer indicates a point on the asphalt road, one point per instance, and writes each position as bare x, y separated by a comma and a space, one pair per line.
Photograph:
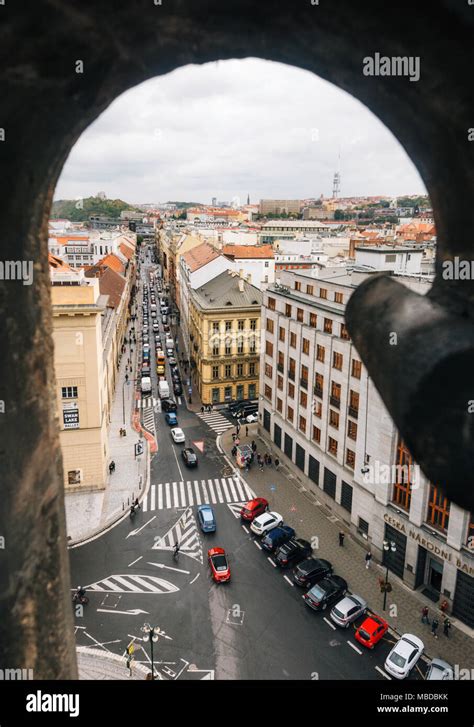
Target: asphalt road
255, 627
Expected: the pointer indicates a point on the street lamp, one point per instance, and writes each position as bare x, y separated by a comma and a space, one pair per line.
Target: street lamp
151, 635
390, 547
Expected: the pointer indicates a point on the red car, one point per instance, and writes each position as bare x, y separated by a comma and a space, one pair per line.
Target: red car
371, 630
219, 566
254, 508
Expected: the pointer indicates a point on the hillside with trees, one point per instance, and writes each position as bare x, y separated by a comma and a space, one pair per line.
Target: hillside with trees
81, 210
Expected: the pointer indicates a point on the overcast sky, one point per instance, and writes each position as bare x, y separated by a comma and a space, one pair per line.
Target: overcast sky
234, 127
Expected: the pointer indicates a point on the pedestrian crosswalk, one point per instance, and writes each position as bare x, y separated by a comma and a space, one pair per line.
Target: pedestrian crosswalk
149, 403
196, 492
216, 421
128, 583
186, 533
149, 420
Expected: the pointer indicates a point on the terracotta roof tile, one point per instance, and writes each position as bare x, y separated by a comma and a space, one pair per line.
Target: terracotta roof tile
199, 256
248, 251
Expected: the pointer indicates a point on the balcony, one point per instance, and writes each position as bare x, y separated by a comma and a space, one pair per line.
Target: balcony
335, 401
353, 412
318, 391
304, 383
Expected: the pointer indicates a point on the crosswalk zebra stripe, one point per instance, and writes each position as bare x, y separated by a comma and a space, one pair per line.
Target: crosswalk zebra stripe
238, 487
226, 491
160, 497
175, 494
126, 582
167, 493
211, 490
181, 492
250, 493
234, 493
196, 490
218, 490
204, 491
190, 493
153, 495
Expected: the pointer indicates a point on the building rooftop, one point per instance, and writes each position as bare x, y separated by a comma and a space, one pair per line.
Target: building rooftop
199, 256
388, 248
248, 251
227, 290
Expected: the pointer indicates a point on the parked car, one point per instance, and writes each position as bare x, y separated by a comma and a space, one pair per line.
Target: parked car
169, 351
219, 565
254, 508
348, 610
310, 571
252, 418
206, 519
263, 523
292, 552
178, 435
371, 631
156, 327
404, 656
172, 362
168, 405
276, 537
177, 389
326, 592
439, 670
175, 377
171, 418
166, 328
145, 371
189, 456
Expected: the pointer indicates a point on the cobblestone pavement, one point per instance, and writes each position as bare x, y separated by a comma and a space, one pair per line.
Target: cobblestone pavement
303, 511
99, 664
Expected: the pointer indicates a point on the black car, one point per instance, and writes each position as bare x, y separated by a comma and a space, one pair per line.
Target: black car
175, 376
276, 537
310, 571
146, 371
292, 552
177, 389
168, 405
325, 593
189, 457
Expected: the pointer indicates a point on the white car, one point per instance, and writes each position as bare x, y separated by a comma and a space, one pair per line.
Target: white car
404, 656
263, 523
178, 435
252, 418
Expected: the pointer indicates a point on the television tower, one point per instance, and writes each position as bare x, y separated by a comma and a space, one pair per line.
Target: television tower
336, 185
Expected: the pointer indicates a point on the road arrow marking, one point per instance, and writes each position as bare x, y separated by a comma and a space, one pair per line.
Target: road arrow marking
132, 612
134, 532
168, 567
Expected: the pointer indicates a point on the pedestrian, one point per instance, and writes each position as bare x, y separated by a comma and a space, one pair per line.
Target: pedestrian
126, 378
269, 460
368, 558
261, 464
202, 410
434, 627
424, 615
247, 464
254, 446
237, 442
246, 431
265, 458
341, 538
234, 436
234, 451
277, 462
444, 607
446, 626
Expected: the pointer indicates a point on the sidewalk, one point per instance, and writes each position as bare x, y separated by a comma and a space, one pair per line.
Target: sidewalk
88, 513
311, 519
99, 664
196, 402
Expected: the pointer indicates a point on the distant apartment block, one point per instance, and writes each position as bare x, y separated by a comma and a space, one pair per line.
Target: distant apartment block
280, 206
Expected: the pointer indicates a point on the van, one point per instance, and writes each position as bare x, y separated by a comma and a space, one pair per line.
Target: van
145, 385
163, 390
169, 343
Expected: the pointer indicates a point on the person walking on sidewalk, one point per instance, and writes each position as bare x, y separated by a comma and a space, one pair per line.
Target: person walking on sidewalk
368, 559
424, 615
246, 431
254, 446
277, 462
341, 538
446, 626
202, 410
434, 627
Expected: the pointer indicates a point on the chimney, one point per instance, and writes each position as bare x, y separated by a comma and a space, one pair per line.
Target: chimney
241, 285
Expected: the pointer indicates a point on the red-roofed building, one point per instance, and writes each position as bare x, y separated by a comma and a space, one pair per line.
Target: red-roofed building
256, 263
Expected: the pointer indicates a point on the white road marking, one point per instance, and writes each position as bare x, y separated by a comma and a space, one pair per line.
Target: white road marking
167, 495
383, 673
288, 580
182, 494
135, 561
218, 490
204, 491
190, 492
168, 567
177, 463
226, 491
160, 497
246, 529
271, 561
175, 494
329, 623
353, 646
234, 493
258, 545
132, 612
135, 532
152, 497
211, 490
197, 493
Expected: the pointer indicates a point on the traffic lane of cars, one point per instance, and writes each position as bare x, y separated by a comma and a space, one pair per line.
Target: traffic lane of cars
378, 655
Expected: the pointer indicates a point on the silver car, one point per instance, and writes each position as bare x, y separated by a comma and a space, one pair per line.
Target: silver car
439, 670
348, 610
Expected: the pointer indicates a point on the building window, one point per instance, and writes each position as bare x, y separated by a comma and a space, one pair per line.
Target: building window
281, 334
299, 315
356, 368
288, 310
291, 369
344, 332
313, 320
228, 347
302, 424
241, 324
215, 372
253, 324
304, 376
269, 348
228, 326
279, 405
338, 298
240, 346
280, 383
290, 414
305, 346
215, 349
327, 325
350, 458
268, 370
228, 371
251, 369
270, 325
316, 435
309, 290
351, 429
240, 392
252, 345
353, 404
334, 418
323, 293
291, 390
318, 409
268, 392
438, 509
303, 399
281, 361
320, 353
271, 304
215, 327
332, 446
293, 340
240, 370
337, 360
401, 494
69, 392
335, 394
318, 385
228, 393
252, 391
297, 285
215, 396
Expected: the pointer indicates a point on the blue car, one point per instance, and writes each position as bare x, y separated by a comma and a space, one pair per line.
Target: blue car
206, 518
276, 537
171, 418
